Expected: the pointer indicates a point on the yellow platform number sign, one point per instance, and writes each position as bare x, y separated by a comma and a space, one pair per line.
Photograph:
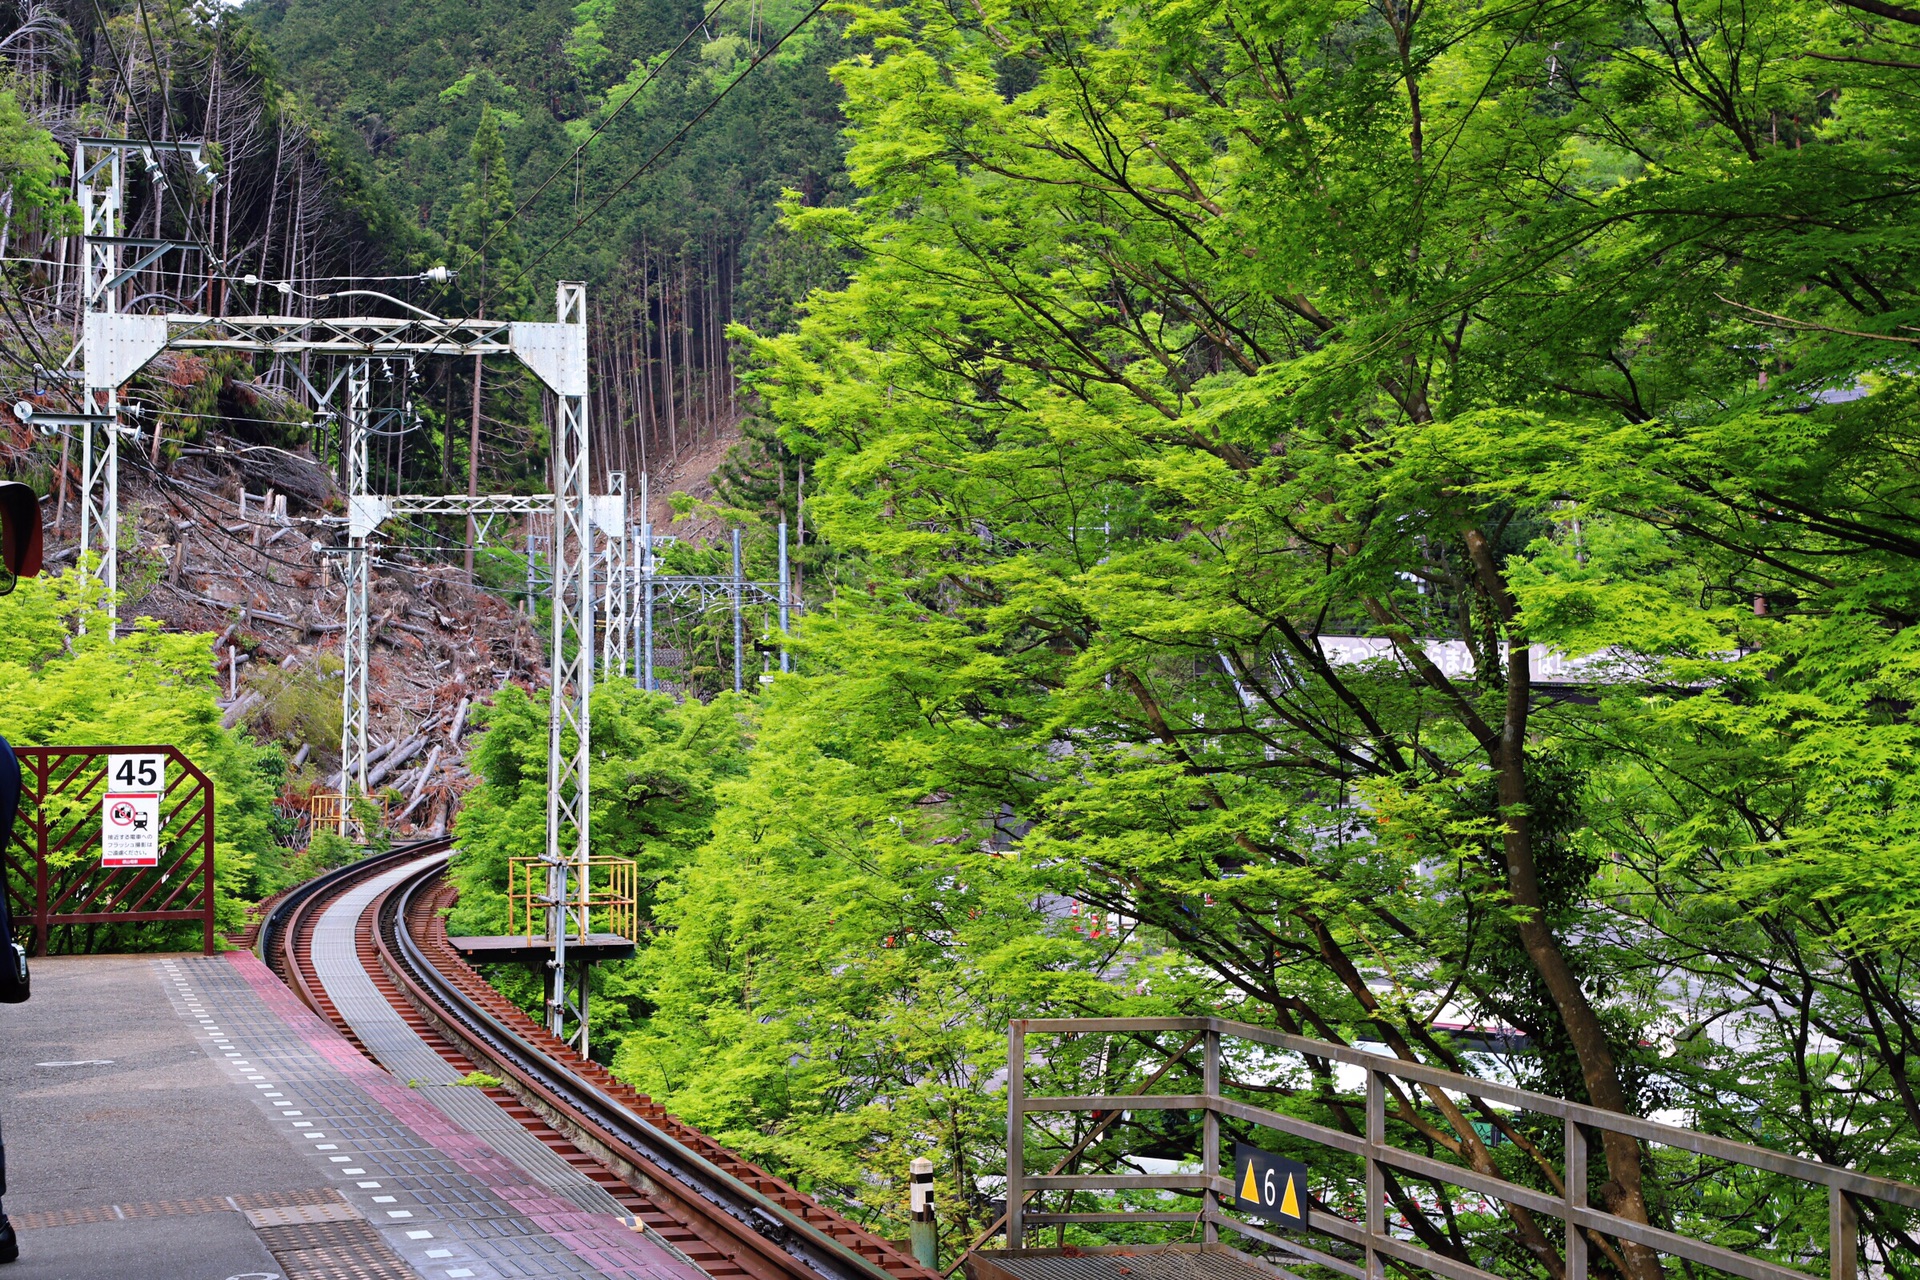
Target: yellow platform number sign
1269, 1186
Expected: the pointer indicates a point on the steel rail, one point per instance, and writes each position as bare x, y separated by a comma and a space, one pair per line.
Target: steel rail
279, 930
750, 1215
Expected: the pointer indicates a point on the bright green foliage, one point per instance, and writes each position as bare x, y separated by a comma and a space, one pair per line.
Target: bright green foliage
1183, 336
655, 768
33, 170
60, 686
836, 966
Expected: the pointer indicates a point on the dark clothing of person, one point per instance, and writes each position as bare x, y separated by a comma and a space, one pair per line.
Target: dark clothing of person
9, 806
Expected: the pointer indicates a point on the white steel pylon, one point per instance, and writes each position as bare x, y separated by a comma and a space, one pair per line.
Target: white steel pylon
569, 762
610, 519
99, 188
356, 572
113, 347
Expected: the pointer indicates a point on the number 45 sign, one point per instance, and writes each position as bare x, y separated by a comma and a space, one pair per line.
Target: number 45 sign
1269, 1186
130, 811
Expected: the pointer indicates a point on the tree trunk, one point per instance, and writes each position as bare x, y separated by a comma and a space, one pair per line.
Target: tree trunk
1625, 1193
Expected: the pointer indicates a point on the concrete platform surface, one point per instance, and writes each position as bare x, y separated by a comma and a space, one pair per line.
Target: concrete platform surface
108, 1096
185, 1118
222, 1247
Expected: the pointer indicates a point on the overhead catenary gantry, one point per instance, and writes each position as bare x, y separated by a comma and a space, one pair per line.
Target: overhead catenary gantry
116, 344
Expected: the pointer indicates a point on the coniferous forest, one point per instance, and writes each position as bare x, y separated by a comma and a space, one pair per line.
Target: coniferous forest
1391, 520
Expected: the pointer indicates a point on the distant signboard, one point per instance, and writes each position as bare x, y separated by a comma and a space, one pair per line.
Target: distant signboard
1269, 1186
130, 812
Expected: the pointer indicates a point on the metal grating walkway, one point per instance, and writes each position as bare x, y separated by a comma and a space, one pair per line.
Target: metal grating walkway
389, 1038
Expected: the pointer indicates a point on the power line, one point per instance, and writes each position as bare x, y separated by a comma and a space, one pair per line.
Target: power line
648, 163
600, 128
439, 294
166, 111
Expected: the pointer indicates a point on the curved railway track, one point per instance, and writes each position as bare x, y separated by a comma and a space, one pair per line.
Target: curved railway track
731, 1218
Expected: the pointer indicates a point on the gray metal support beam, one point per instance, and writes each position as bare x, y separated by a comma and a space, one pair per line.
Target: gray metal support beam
786, 597
647, 567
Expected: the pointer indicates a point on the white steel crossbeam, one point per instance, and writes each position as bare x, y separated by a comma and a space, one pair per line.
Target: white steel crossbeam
711, 590
421, 335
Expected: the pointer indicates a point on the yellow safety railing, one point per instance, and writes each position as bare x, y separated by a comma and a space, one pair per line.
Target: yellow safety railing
332, 810
611, 897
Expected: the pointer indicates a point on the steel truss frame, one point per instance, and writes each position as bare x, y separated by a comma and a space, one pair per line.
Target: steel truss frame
115, 346
705, 591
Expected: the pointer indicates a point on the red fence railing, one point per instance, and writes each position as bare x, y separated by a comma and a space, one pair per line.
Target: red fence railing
54, 871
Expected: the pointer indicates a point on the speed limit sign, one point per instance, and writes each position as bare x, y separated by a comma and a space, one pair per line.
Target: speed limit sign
141, 773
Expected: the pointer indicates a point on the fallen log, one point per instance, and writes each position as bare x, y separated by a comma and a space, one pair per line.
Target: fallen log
401, 754
238, 711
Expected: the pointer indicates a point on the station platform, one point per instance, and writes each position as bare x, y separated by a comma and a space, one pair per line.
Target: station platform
186, 1118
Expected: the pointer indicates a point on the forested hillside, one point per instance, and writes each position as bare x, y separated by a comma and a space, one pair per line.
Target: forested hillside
1114, 362
674, 254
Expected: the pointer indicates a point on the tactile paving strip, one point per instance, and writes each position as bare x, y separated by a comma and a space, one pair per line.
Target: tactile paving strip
298, 1214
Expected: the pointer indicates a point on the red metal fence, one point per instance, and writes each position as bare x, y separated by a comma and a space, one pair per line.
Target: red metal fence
53, 861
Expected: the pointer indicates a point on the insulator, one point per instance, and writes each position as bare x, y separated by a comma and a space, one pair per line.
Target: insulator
438, 275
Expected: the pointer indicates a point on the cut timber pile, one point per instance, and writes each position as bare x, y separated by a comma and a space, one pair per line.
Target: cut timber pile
215, 554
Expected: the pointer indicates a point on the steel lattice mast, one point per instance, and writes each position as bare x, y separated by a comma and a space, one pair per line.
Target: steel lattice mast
357, 572
569, 733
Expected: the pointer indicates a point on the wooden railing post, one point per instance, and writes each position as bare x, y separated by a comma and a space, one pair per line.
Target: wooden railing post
1016, 1129
1376, 1220
1210, 1139
1843, 1237
1576, 1180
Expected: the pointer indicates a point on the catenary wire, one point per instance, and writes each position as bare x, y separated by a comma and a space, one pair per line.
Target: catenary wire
684, 129
126, 78
441, 289
600, 128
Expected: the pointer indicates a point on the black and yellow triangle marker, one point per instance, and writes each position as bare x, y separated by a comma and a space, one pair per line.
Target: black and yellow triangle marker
1269, 1186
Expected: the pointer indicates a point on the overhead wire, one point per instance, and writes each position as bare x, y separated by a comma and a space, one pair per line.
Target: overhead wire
166, 112
668, 145
579, 151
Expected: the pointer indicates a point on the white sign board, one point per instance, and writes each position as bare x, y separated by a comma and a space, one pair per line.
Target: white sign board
137, 774
130, 829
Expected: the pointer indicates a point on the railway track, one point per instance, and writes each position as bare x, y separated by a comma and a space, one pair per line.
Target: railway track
731, 1218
